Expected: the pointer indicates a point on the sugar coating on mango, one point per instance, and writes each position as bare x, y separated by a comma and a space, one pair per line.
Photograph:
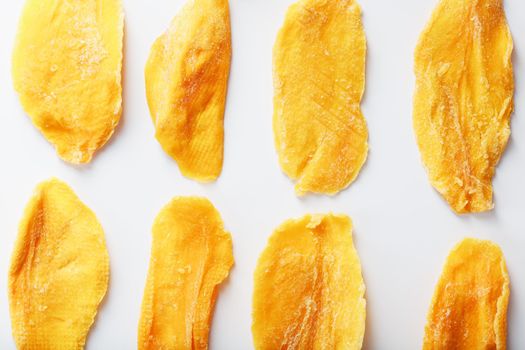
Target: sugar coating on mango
191, 255
469, 307
59, 271
319, 78
464, 99
67, 64
309, 290
186, 84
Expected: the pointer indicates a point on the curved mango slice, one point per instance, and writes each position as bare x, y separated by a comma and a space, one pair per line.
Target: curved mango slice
186, 83
319, 79
463, 99
67, 66
190, 257
59, 271
309, 291
469, 307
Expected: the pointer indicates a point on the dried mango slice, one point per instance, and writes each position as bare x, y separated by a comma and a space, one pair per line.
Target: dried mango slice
309, 291
319, 79
190, 257
59, 271
463, 99
469, 307
186, 84
67, 66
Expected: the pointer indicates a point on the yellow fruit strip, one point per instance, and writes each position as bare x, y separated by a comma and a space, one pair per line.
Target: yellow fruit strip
59, 271
190, 257
67, 66
186, 84
309, 291
469, 308
463, 99
319, 79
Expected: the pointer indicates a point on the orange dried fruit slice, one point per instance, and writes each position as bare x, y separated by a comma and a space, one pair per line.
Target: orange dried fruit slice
186, 84
309, 291
191, 255
59, 271
464, 99
319, 79
67, 66
469, 307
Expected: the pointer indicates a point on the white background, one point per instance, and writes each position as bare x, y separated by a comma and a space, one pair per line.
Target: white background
403, 228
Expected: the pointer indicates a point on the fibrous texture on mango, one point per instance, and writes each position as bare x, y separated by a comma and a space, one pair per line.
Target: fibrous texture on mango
464, 99
319, 79
469, 308
59, 271
190, 257
186, 84
67, 66
309, 291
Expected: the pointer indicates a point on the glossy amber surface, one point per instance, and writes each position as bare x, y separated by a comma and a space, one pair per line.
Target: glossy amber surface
309, 291
191, 255
319, 79
186, 84
67, 64
59, 271
469, 307
464, 99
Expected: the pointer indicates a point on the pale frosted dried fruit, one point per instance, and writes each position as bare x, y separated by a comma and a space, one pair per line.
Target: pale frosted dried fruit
190, 257
59, 271
319, 79
463, 99
469, 308
67, 66
186, 83
309, 291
